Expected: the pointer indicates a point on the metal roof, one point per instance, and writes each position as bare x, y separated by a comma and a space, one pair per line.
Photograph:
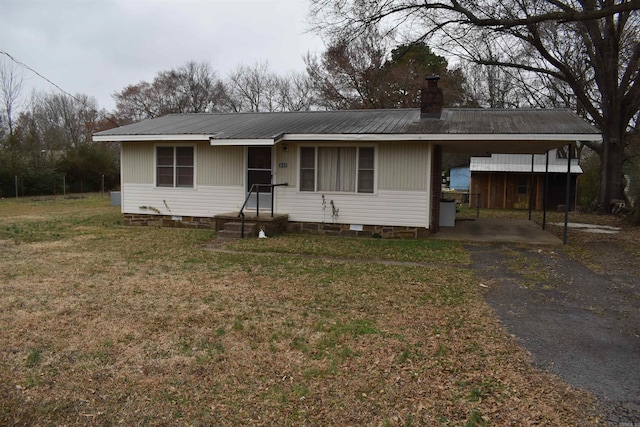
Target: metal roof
522, 163
505, 121
272, 125
457, 129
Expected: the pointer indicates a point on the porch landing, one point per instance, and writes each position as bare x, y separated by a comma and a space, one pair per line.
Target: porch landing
271, 225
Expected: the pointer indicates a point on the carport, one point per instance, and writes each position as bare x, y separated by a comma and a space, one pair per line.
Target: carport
482, 132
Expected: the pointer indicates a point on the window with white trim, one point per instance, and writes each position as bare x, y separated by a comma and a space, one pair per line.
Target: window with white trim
337, 169
174, 166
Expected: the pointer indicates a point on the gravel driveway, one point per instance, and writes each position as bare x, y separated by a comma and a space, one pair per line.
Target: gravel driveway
578, 323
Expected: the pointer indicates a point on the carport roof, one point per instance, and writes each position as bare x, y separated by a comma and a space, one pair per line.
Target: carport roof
458, 129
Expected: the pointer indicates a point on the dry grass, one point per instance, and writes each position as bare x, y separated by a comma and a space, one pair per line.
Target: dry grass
103, 325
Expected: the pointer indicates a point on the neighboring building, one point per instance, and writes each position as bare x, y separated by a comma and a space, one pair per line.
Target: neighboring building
459, 178
507, 181
348, 172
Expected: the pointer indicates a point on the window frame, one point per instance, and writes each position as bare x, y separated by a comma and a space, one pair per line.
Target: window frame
358, 168
175, 167
523, 184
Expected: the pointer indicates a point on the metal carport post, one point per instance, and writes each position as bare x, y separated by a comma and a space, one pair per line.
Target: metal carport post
567, 195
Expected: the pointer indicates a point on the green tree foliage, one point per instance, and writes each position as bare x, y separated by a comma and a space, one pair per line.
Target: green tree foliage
50, 145
588, 182
407, 69
87, 165
364, 73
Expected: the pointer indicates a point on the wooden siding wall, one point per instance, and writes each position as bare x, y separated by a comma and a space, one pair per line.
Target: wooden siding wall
500, 190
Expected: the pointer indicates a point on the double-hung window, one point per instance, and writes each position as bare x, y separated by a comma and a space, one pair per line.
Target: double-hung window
337, 169
174, 166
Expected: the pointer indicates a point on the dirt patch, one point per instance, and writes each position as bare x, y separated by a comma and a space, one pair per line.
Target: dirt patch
578, 313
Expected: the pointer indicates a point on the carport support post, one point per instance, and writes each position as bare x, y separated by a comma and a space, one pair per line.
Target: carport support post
544, 192
566, 195
531, 188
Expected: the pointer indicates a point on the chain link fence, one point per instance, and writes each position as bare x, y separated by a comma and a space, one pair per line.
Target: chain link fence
53, 184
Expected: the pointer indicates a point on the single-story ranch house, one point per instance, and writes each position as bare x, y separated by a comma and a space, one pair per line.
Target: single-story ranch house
342, 172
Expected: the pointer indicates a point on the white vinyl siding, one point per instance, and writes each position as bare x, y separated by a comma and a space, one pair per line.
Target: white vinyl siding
406, 202
137, 162
403, 166
214, 165
337, 169
386, 207
207, 201
220, 165
285, 163
401, 175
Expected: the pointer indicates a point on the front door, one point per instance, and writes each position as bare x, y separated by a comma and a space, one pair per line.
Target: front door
259, 172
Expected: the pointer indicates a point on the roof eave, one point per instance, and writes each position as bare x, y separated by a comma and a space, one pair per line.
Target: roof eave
150, 137
440, 137
243, 142
443, 137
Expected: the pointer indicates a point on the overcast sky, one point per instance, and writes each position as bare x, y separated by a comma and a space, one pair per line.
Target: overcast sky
97, 47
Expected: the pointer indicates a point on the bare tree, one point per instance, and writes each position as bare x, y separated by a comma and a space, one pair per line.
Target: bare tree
191, 88
256, 88
62, 122
11, 83
251, 88
593, 48
296, 92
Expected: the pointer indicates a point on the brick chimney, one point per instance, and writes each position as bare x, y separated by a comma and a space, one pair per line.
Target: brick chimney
431, 99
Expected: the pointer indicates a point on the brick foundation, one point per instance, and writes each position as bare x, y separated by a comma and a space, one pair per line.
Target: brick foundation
384, 231
146, 220
279, 226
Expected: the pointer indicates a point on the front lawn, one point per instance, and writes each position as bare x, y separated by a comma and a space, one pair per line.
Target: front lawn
102, 324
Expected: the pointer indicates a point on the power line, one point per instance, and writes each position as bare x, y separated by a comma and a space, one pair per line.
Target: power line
22, 64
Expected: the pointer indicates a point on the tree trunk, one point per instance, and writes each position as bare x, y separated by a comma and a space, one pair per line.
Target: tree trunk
611, 173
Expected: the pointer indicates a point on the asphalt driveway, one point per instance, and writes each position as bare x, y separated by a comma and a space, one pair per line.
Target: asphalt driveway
580, 324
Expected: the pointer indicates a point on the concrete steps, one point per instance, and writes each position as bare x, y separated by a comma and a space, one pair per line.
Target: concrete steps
233, 230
